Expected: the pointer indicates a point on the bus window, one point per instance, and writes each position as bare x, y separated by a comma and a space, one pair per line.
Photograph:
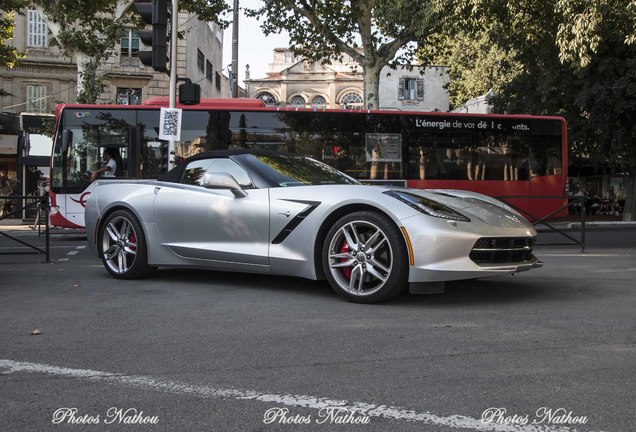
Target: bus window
84, 154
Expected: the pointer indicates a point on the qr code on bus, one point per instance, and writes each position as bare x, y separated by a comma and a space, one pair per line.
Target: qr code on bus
170, 123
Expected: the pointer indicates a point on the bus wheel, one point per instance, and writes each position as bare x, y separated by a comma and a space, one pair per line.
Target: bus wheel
365, 258
122, 246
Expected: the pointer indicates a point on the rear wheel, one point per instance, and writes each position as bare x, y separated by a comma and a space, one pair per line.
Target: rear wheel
365, 259
122, 246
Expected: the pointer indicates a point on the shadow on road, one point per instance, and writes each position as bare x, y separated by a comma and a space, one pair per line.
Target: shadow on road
498, 290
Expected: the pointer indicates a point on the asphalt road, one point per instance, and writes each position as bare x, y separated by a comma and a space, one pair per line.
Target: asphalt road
214, 351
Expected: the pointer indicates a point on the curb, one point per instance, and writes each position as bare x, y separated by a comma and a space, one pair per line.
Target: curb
602, 224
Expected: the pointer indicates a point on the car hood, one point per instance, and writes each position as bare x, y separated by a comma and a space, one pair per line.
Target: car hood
475, 206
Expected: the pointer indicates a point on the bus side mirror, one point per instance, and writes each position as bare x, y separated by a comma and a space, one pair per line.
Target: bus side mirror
219, 180
67, 140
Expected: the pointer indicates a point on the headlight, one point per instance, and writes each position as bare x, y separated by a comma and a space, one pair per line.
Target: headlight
427, 206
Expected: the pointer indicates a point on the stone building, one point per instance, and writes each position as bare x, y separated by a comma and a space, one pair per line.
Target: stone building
199, 58
41, 79
293, 81
45, 77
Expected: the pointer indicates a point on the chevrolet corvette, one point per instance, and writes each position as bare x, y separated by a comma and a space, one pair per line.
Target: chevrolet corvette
273, 213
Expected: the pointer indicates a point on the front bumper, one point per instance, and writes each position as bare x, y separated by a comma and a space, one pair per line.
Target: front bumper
449, 251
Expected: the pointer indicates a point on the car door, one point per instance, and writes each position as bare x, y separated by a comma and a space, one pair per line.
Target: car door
211, 225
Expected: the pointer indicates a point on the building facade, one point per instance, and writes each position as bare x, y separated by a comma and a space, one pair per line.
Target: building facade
45, 78
293, 81
199, 58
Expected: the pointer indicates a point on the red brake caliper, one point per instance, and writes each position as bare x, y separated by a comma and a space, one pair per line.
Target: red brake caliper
133, 239
345, 249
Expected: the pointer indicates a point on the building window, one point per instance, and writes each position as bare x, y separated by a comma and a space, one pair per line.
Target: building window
129, 43
266, 97
37, 98
411, 89
208, 70
128, 96
218, 81
319, 102
37, 32
351, 100
200, 60
297, 101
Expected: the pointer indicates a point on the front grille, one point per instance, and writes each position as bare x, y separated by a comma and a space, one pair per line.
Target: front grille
502, 250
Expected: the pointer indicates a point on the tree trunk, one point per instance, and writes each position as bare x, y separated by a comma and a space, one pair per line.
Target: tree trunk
629, 212
81, 61
372, 87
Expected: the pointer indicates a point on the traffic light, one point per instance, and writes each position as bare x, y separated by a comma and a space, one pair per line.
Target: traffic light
189, 93
165, 156
155, 13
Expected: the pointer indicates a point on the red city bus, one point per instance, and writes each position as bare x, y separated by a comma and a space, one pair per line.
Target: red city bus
519, 156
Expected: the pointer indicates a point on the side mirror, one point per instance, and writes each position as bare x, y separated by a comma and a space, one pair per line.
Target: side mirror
217, 180
67, 140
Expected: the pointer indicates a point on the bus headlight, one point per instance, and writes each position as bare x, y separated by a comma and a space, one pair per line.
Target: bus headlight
428, 206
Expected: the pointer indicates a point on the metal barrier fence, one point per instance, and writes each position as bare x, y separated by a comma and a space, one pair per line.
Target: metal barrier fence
577, 202
24, 202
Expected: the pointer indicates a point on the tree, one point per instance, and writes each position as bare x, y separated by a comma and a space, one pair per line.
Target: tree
573, 58
8, 54
87, 32
372, 32
476, 65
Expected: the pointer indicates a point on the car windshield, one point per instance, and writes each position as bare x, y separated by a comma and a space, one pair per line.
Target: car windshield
285, 171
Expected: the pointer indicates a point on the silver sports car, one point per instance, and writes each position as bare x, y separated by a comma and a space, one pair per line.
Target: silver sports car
272, 213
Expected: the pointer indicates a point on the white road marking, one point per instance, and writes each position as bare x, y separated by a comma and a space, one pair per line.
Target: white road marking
73, 252
81, 247
303, 401
63, 259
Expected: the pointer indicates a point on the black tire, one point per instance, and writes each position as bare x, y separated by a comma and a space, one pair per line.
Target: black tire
122, 246
374, 275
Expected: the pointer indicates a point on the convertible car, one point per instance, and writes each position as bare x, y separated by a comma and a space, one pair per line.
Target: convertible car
273, 213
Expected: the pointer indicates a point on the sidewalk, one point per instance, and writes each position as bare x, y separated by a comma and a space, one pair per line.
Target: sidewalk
14, 225
591, 222
9, 225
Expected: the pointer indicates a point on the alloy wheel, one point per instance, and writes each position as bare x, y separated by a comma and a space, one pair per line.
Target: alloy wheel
119, 244
360, 258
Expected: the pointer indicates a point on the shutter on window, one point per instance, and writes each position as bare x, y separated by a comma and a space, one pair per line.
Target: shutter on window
420, 89
401, 85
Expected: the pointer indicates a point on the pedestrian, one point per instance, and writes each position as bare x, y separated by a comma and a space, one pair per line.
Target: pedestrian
43, 193
5, 192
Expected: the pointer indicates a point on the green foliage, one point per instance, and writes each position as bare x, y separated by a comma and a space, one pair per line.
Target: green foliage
574, 58
372, 32
477, 65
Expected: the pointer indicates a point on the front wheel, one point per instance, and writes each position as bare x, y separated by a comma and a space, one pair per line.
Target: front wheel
122, 246
365, 258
